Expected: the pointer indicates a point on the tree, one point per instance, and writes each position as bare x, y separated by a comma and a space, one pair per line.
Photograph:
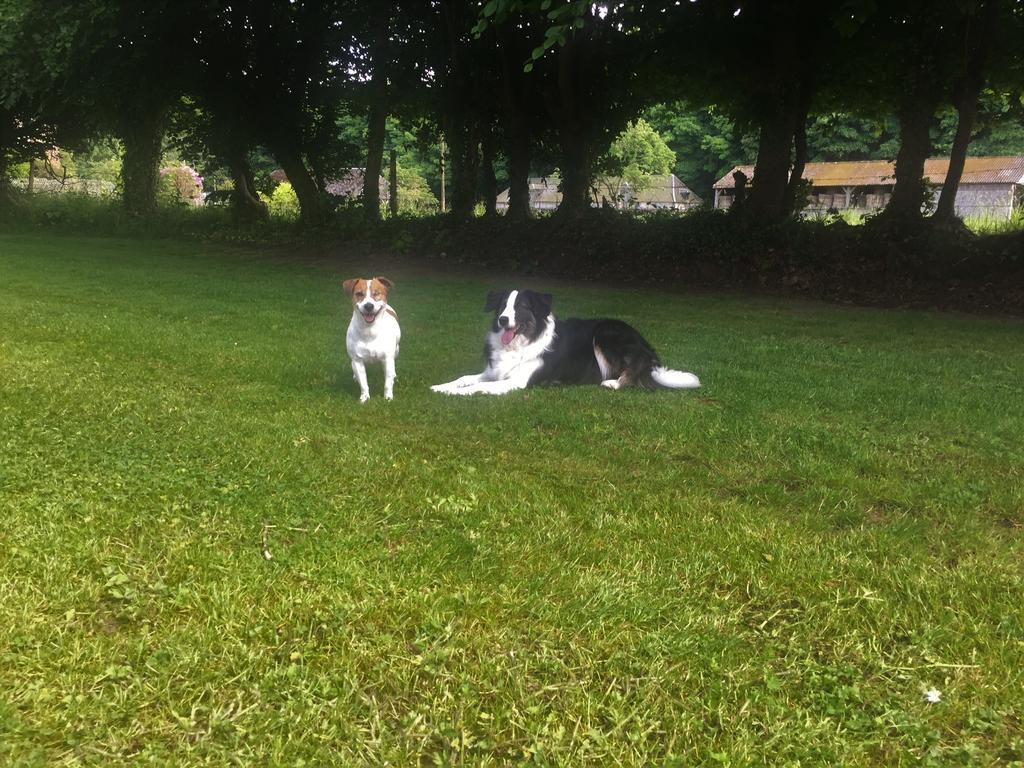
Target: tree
462, 103
277, 75
398, 38
707, 142
908, 80
637, 154
134, 78
381, 56
520, 108
639, 146
591, 70
979, 35
211, 142
43, 46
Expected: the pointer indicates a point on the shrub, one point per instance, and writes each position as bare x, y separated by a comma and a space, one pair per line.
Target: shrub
414, 195
180, 185
283, 202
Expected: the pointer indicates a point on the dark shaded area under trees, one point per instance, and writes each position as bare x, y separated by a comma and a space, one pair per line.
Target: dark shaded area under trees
517, 85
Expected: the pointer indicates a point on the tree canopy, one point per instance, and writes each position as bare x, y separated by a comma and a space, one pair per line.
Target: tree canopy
508, 88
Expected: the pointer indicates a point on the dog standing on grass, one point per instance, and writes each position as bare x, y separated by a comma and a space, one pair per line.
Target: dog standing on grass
373, 333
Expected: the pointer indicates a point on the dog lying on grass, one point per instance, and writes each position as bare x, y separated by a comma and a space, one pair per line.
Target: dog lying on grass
527, 346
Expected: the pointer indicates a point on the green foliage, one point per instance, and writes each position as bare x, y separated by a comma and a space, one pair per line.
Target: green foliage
841, 136
414, 195
283, 202
990, 225
638, 153
562, 17
416, 143
707, 143
42, 48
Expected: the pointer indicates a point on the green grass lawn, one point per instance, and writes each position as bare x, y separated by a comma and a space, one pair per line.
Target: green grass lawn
769, 571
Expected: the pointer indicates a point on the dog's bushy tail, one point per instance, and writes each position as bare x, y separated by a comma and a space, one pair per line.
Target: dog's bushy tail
666, 378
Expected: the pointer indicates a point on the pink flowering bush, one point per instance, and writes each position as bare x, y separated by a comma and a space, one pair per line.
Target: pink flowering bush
181, 185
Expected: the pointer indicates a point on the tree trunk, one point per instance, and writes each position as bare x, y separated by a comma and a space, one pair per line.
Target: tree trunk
461, 128
572, 134
767, 199
519, 177
444, 183
5, 182
244, 197
374, 159
306, 190
142, 134
967, 108
393, 184
795, 186
488, 181
910, 192
465, 153
517, 124
575, 174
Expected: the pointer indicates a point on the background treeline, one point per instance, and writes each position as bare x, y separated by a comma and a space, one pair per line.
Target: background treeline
505, 89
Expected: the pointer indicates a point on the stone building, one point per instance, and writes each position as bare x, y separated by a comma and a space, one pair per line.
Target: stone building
990, 186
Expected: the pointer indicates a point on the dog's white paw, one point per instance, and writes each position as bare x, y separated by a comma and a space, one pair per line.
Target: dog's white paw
364, 397
389, 395
611, 384
444, 389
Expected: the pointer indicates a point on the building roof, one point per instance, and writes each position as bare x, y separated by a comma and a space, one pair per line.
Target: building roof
862, 173
664, 191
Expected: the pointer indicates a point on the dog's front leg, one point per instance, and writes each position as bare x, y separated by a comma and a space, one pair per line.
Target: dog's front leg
389, 378
502, 387
359, 373
463, 381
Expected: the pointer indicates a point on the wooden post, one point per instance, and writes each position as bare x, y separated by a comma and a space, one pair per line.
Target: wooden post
393, 184
441, 144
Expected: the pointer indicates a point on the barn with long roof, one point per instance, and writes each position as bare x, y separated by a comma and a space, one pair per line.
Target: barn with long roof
990, 186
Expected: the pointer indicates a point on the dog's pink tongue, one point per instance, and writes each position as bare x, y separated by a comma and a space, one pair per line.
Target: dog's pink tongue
508, 335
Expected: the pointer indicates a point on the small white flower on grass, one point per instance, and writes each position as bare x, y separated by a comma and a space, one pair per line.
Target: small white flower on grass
933, 695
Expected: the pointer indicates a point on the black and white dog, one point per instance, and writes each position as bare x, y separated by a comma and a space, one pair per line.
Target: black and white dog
527, 346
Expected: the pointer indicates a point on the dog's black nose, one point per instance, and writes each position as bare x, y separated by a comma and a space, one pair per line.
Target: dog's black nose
503, 321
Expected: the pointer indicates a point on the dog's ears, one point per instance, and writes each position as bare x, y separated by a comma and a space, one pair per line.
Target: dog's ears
350, 285
495, 300
541, 303
385, 282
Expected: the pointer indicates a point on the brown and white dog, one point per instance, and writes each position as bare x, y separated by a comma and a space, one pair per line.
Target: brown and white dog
373, 333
